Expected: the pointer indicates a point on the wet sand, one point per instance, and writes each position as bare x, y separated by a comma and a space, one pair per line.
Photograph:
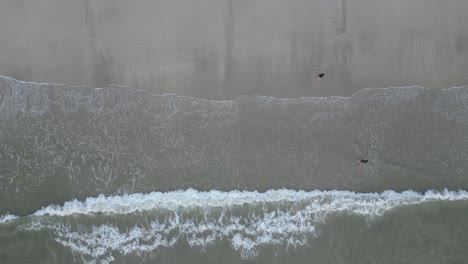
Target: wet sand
222, 49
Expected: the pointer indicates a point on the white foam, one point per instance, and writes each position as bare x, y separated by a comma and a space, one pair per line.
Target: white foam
7, 218
279, 217
362, 203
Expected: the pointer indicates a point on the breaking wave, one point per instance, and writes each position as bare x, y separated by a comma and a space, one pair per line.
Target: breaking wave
248, 221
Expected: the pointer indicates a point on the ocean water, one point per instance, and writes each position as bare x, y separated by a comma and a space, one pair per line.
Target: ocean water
117, 175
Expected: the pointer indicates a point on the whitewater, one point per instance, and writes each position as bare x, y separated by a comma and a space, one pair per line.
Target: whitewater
118, 175
248, 220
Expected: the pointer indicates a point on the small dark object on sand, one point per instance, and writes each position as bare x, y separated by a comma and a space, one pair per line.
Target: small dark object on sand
363, 161
320, 76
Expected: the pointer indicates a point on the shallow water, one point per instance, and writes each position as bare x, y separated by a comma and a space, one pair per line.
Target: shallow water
237, 227
117, 175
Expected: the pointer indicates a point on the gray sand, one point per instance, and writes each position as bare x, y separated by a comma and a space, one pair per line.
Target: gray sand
225, 48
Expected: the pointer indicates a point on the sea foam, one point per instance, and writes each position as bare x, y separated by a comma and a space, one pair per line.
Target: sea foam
7, 218
363, 203
285, 218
